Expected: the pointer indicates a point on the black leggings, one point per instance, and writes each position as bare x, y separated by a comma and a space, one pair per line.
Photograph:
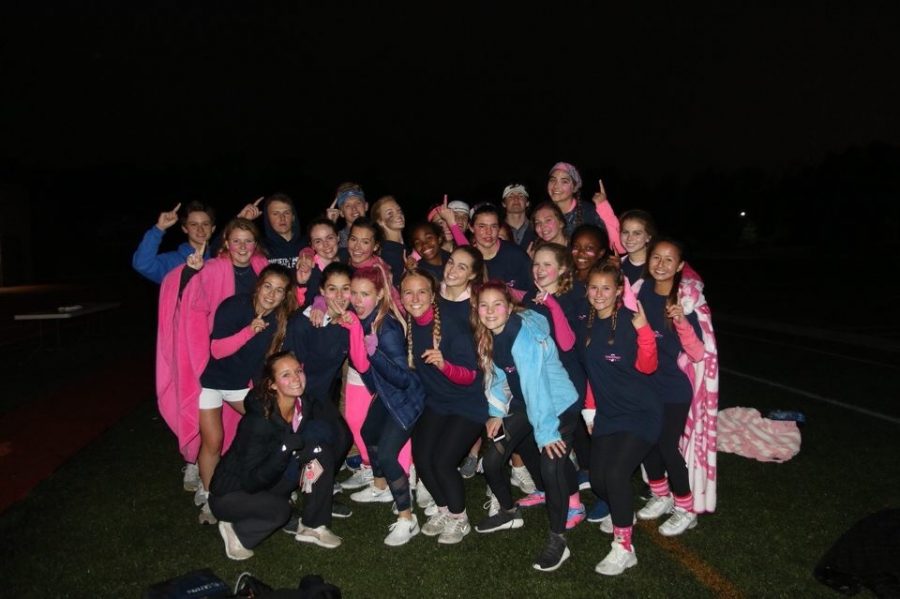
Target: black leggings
664, 457
384, 438
439, 442
613, 459
556, 475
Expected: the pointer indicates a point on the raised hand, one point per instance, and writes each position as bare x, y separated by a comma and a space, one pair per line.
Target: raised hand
446, 213
305, 263
541, 296
332, 212
258, 324
434, 357
409, 262
195, 260
251, 211
600, 196
675, 312
639, 319
167, 219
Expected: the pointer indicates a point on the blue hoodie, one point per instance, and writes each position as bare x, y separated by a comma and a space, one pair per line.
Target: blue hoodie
155, 266
545, 383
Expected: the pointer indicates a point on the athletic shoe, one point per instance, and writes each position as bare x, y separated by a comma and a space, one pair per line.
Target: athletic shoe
584, 480
423, 496
454, 530
373, 494
353, 462
320, 536
575, 516
552, 556
233, 547
606, 524
361, 478
617, 560
402, 531
431, 509
340, 510
502, 520
436, 524
292, 525
336, 489
200, 495
598, 511
643, 491
656, 507
469, 466
191, 480
680, 521
394, 509
492, 506
520, 478
206, 516
533, 499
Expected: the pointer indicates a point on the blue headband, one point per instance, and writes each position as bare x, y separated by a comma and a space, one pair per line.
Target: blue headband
350, 193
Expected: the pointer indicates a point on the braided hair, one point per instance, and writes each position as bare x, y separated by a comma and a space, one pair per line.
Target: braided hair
436, 320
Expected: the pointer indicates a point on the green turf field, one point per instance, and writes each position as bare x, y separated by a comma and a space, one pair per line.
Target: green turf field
114, 519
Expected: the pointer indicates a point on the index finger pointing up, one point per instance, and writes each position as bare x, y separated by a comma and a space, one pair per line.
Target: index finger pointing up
175, 209
258, 200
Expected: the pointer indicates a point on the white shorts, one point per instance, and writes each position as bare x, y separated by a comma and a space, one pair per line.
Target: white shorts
211, 399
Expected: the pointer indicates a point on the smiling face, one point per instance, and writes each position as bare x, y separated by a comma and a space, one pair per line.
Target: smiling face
352, 208
493, 310
545, 270
281, 217
561, 188
664, 261
602, 293
198, 227
417, 295
241, 245
586, 250
361, 244
289, 379
548, 227
270, 293
390, 216
337, 289
364, 297
324, 241
634, 235
458, 271
486, 230
427, 244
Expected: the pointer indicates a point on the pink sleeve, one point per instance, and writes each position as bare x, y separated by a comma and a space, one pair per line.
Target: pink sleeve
517, 294
301, 295
358, 354
224, 347
319, 304
647, 358
458, 236
458, 374
606, 214
691, 344
565, 337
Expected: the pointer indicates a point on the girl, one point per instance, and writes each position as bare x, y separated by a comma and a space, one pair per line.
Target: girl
188, 301
426, 241
443, 355
589, 245
549, 224
246, 329
531, 400
681, 341
388, 215
322, 251
617, 356
638, 229
276, 441
564, 187
378, 353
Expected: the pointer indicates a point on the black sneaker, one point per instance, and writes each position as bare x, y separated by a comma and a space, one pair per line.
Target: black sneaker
502, 520
291, 526
340, 510
555, 552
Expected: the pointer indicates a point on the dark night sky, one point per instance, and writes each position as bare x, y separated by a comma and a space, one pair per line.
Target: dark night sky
459, 100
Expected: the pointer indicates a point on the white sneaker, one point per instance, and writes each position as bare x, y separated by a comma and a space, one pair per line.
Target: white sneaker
454, 530
522, 479
606, 524
492, 506
431, 509
200, 495
656, 507
206, 516
373, 494
617, 560
423, 496
361, 478
680, 521
191, 480
320, 536
402, 531
436, 523
233, 547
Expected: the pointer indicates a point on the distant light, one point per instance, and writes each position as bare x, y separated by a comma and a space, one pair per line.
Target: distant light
743, 214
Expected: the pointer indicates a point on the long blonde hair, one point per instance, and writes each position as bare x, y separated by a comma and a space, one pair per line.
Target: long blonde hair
484, 338
436, 321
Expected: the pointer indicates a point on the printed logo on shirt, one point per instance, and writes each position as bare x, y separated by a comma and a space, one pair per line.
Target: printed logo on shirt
657, 334
509, 369
612, 358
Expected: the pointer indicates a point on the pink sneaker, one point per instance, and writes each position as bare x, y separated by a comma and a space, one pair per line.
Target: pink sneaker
575, 517
532, 499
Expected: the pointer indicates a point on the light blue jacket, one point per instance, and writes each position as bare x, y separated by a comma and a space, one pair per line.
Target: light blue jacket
545, 383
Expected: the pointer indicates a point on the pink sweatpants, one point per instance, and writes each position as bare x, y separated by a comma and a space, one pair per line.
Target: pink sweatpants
357, 400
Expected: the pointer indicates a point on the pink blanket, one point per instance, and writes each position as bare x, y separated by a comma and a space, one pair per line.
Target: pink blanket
745, 432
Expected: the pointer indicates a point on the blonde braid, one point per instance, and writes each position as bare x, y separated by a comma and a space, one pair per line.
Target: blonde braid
436, 325
612, 328
409, 342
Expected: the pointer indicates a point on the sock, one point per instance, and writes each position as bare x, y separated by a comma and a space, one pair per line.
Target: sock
574, 500
685, 502
660, 487
460, 516
623, 535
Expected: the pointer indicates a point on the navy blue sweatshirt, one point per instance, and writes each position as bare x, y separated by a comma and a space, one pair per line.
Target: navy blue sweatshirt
503, 358
322, 351
237, 370
511, 265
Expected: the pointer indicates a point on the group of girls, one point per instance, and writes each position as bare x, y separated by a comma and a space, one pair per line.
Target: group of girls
431, 349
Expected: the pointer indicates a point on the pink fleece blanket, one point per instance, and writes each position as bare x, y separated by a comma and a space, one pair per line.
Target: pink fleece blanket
745, 432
